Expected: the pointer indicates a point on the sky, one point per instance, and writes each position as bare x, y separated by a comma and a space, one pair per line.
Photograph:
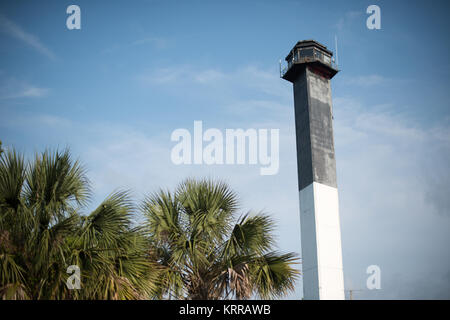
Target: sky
115, 90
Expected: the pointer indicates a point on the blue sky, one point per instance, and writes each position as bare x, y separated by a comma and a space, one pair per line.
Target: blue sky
116, 89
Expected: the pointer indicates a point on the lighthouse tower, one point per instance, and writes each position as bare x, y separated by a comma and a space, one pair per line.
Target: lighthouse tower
310, 69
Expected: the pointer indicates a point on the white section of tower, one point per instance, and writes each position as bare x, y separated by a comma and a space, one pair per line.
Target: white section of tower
323, 276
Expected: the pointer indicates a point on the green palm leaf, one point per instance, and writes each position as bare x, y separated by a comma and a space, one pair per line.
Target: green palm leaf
205, 252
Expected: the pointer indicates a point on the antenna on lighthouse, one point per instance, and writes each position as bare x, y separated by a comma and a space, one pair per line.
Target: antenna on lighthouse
336, 50
280, 68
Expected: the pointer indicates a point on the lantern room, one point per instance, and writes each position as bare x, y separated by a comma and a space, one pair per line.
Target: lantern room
312, 54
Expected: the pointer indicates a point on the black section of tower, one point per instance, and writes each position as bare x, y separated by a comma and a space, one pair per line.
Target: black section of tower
309, 65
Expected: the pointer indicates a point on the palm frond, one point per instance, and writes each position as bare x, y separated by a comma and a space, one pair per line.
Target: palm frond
273, 275
12, 178
203, 254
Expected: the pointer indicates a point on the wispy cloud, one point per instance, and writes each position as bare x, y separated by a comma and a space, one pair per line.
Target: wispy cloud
158, 42
32, 92
394, 185
14, 30
246, 90
162, 76
366, 80
11, 88
347, 19
246, 80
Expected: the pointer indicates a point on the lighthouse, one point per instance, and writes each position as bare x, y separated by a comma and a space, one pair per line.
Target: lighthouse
310, 68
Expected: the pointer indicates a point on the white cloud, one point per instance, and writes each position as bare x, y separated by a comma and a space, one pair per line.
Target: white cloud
12, 29
264, 80
392, 176
249, 91
347, 19
31, 92
366, 80
39, 123
11, 88
208, 76
164, 75
158, 42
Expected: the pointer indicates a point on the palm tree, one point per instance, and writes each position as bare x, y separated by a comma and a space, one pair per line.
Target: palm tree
205, 252
43, 232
